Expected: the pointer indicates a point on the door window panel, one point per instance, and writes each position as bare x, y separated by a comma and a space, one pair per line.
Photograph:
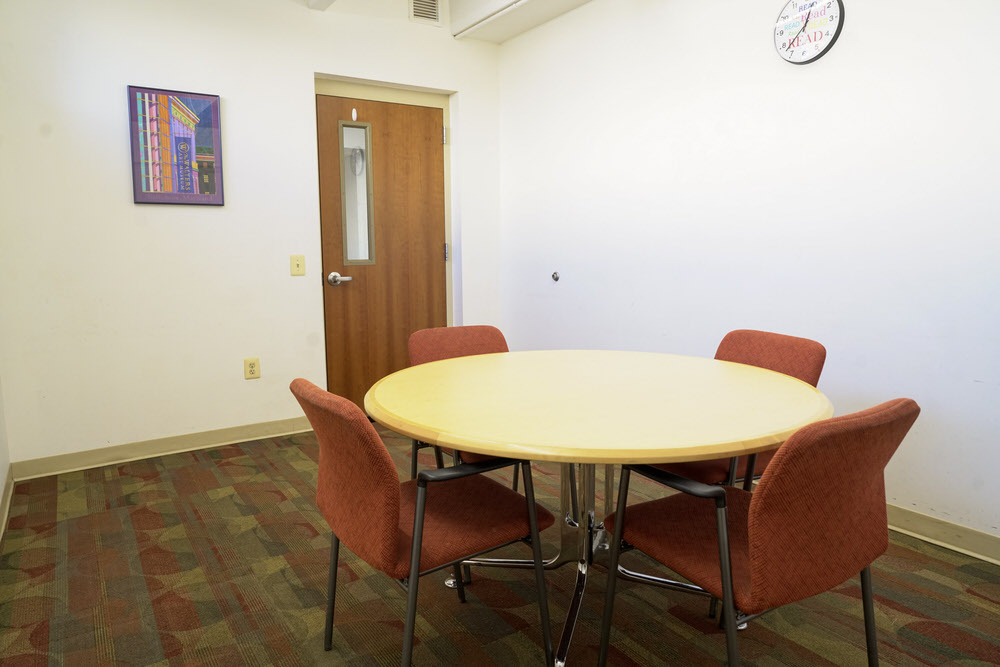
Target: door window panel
356, 192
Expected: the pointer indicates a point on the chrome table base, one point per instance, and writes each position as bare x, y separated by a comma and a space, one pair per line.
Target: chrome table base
582, 538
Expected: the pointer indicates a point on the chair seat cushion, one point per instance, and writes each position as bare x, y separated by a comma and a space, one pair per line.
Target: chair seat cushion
716, 471
462, 517
680, 532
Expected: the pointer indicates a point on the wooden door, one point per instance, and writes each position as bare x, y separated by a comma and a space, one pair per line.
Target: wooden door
402, 288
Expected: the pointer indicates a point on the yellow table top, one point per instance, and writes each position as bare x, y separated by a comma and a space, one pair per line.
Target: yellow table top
589, 406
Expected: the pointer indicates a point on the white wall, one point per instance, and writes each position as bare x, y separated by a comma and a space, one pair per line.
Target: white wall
685, 181
122, 323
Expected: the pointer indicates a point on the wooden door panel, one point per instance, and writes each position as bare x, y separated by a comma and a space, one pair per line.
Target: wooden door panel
369, 319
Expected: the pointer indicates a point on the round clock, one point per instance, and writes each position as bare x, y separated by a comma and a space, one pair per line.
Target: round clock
806, 29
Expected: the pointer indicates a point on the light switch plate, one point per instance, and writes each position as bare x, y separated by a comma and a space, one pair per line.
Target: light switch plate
298, 265
251, 368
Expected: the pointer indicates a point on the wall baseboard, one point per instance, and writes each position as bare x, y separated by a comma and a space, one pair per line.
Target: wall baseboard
93, 458
962, 539
8, 493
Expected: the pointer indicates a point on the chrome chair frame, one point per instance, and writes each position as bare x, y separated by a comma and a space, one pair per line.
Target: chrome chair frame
410, 584
417, 445
731, 618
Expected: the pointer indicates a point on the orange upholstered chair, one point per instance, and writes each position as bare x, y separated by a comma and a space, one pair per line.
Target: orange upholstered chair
799, 357
416, 527
440, 343
817, 518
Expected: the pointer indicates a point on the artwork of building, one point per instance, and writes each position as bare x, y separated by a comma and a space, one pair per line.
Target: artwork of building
154, 142
183, 122
167, 145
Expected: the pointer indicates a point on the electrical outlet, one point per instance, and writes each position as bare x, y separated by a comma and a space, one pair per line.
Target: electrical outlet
298, 265
251, 368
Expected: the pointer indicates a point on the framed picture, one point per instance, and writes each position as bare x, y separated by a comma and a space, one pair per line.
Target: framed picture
176, 147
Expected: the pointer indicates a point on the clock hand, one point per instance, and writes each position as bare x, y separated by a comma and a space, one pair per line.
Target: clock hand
801, 30
805, 23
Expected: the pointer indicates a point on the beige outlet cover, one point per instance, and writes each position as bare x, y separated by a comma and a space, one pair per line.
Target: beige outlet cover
251, 368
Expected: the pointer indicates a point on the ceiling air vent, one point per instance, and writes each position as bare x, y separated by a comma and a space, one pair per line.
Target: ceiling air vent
426, 11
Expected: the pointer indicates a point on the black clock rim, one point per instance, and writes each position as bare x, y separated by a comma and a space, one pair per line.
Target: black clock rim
836, 34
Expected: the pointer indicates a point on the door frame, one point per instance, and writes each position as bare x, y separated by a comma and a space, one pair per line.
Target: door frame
384, 92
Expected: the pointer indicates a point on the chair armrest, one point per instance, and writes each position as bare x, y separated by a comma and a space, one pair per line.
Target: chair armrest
463, 470
688, 486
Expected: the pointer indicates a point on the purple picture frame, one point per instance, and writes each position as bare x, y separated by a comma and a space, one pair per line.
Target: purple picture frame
176, 140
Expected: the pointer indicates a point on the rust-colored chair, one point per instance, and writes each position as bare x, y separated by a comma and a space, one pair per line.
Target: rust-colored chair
439, 343
800, 358
817, 518
416, 527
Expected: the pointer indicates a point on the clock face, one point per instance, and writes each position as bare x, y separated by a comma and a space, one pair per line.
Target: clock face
806, 29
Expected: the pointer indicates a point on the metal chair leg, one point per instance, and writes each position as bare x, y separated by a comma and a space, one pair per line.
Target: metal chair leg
734, 463
438, 457
413, 579
536, 552
871, 635
413, 459
726, 570
616, 549
331, 594
573, 502
609, 488
514, 485
748, 475
459, 582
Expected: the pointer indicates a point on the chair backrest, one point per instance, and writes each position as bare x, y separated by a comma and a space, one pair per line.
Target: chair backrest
799, 357
818, 516
358, 487
448, 342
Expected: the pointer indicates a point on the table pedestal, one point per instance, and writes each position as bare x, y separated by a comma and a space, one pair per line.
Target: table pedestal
581, 538
592, 538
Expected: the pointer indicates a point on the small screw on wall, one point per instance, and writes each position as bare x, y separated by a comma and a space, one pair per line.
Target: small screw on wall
555, 276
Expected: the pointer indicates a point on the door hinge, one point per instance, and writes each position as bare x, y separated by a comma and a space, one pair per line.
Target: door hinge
444, 134
446, 252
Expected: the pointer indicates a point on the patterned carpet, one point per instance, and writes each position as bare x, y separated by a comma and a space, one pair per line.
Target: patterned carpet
219, 557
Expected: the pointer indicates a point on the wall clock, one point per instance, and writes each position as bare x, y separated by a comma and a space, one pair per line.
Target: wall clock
806, 29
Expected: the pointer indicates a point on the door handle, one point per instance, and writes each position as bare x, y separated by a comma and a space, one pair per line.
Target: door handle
335, 278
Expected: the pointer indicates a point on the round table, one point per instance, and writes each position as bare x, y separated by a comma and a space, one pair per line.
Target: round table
591, 407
